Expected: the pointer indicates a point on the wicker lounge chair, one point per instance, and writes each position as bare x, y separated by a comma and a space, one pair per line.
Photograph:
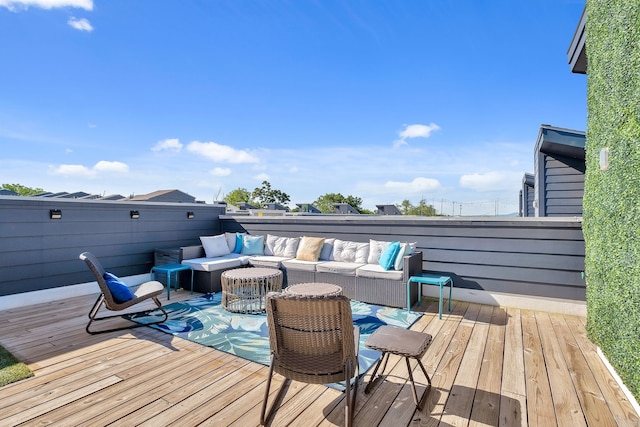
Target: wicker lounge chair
148, 290
312, 340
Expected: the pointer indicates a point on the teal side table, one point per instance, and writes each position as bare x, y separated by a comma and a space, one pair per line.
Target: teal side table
429, 279
169, 269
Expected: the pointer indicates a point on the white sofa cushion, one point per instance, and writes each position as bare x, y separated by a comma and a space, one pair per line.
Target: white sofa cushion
339, 267
375, 271
347, 251
281, 246
215, 246
376, 248
267, 261
326, 253
224, 262
297, 264
309, 248
405, 250
231, 241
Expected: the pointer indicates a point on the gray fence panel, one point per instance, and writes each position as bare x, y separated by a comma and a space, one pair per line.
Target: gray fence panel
37, 252
541, 256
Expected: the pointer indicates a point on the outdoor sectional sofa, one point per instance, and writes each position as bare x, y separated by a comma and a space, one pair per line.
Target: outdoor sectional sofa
354, 266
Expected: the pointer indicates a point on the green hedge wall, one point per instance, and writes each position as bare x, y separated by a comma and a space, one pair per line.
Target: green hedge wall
612, 198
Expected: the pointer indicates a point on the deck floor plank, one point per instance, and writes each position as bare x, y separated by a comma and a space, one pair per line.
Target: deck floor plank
486, 402
489, 366
540, 411
565, 400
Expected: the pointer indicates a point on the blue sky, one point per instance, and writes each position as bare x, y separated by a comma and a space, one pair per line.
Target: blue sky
384, 100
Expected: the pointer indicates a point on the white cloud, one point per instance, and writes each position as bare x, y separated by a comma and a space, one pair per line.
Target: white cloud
172, 144
415, 131
81, 24
73, 170
220, 171
104, 166
261, 177
491, 181
83, 171
417, 186
14, 5
221, 153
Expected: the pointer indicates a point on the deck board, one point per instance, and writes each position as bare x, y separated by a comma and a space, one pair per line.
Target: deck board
489, 366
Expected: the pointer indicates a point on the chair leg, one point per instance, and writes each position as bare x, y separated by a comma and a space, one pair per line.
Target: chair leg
266, 394
351, 393
264, 414
96, 307
384, 357
413, 383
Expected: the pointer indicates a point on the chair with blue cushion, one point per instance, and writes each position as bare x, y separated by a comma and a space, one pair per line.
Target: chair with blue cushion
116, 296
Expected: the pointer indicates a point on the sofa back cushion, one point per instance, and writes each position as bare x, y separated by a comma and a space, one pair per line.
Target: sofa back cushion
326, 254
376, 248
309, 248
347, 251
406, 249
234, 241
388, 257
252, 245
215, 246
281, 246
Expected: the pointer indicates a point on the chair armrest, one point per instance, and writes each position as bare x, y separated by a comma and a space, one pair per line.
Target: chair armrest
412, 265
190, 252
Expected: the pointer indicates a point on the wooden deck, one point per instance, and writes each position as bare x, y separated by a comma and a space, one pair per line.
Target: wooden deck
490, 366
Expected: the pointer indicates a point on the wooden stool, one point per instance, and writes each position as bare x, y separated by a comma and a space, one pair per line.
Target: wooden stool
401, 342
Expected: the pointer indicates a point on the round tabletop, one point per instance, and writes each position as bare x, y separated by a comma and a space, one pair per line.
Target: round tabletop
311, 289
251, 273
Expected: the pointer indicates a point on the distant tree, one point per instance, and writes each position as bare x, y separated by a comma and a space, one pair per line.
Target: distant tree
237, 196
22, 190
405, 207
422, 209
325, 202
266, 194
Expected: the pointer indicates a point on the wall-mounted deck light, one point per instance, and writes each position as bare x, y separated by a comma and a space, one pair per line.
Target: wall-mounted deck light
134, 214
190, 215
604, 158
55, 213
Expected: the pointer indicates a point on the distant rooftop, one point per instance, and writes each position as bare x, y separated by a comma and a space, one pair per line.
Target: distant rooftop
555, 140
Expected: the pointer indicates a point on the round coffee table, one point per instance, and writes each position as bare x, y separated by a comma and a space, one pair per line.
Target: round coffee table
314, 289
244, 289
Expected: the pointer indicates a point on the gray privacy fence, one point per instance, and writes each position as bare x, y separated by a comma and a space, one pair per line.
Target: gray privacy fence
527, 256
38, 250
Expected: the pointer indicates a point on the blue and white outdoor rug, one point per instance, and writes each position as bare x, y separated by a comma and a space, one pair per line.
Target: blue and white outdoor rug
204, 321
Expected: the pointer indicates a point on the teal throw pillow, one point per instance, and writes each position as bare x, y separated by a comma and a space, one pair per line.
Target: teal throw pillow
119, 291
252, 245
238, 248
388, 257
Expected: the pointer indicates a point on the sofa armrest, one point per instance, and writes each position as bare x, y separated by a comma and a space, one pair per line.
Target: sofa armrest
190, 252
412, 265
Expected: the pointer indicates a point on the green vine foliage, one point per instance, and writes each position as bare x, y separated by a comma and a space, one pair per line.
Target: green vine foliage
612, 198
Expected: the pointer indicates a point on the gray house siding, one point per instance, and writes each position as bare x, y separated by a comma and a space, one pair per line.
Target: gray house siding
541, 257
563, 186
40, 253
527, 196
559, 172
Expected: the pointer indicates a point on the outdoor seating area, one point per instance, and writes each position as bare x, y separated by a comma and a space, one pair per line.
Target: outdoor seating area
372, 271
488, 366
